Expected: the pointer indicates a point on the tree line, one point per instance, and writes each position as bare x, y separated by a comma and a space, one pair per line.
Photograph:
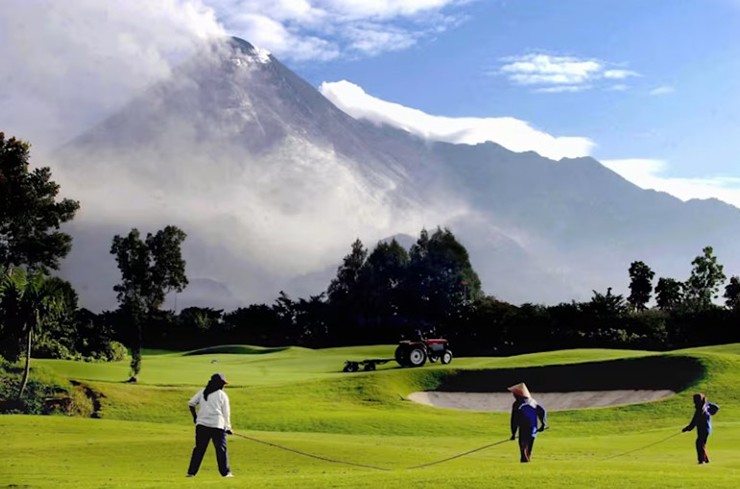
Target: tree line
377, 296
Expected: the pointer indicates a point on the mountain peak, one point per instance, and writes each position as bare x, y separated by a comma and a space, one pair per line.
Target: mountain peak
252, 52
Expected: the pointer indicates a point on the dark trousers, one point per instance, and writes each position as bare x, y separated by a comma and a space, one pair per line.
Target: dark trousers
204, 434
526, 444
701, 447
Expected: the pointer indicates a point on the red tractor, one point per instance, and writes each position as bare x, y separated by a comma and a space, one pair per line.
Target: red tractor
415, 353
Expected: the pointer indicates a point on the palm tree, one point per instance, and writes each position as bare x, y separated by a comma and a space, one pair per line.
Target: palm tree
28, 301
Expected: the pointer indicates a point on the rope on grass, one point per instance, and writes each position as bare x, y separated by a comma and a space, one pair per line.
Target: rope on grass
306, 454
364, 466
459, 455
644, 447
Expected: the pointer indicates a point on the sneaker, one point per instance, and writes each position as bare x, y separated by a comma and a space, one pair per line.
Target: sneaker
190, 475
229, 475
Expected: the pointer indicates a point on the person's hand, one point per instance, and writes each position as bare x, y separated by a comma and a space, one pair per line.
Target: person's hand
195, 420
229, 432
542, 428
513, 437
685, 430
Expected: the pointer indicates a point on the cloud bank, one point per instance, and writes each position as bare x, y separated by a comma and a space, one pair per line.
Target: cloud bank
513, 134
67, 64
650, 174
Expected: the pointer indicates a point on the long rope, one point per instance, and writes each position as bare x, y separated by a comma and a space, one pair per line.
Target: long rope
306, 454
373, 467
458, 455
644, 447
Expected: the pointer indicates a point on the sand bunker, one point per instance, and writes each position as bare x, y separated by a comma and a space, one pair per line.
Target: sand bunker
552, 401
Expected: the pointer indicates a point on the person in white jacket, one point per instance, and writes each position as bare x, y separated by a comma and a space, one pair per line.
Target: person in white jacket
212, 423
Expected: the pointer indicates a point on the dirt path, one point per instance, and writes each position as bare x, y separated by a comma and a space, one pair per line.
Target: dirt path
552, 401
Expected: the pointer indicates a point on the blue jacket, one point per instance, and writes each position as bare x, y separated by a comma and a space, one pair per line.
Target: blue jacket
524, 416
702, 419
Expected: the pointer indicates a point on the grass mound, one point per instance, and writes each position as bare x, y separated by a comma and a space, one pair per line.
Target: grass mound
235, 350
671, 372
47, 392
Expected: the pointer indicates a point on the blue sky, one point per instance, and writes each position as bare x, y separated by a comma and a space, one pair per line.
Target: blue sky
649, 87
675, 113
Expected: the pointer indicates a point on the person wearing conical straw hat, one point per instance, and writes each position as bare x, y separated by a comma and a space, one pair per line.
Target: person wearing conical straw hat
524, 415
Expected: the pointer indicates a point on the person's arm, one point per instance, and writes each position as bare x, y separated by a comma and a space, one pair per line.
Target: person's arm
691, 425
227, 414
514, 421
542, 414
192, 403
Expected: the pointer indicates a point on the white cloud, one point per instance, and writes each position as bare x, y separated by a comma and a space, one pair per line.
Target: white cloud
67, 64
650, 174
326, 29
514, 134
563, 89
547, 73
619, 74
662, 90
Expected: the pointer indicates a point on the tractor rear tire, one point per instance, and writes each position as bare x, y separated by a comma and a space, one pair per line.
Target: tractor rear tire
417, 357
402, 355
351, 367
447, 357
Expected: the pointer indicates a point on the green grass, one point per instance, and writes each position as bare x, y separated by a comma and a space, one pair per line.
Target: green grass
298, 398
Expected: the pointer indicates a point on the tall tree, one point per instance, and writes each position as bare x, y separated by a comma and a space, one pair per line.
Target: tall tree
732, 293
440, 277
382, 279
344, 287
606, 306
669, 294
150, 269
706, 278
28, 302
30, 215
641, 285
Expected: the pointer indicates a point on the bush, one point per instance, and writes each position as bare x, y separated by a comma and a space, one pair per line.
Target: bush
115, 351
46, 347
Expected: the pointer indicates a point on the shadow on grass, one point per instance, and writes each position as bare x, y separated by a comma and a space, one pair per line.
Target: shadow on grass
674, 373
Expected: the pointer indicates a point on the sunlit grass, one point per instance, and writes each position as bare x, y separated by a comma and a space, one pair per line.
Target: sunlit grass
298, 398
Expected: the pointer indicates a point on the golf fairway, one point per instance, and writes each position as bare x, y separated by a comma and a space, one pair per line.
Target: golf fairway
297, 398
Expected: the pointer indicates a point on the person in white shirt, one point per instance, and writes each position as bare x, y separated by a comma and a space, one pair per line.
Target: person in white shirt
212, 423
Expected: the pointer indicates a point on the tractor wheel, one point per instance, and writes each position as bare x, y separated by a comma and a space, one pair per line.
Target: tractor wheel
447, 357
369, 367
433, 358
402, 355
417, 357
351, 367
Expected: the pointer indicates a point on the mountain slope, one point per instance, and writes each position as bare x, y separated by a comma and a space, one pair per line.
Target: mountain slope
272, 183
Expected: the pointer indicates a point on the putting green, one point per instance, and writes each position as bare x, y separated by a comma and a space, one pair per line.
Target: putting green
297, 398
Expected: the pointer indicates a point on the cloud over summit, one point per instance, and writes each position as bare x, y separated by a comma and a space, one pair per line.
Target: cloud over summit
512, 133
